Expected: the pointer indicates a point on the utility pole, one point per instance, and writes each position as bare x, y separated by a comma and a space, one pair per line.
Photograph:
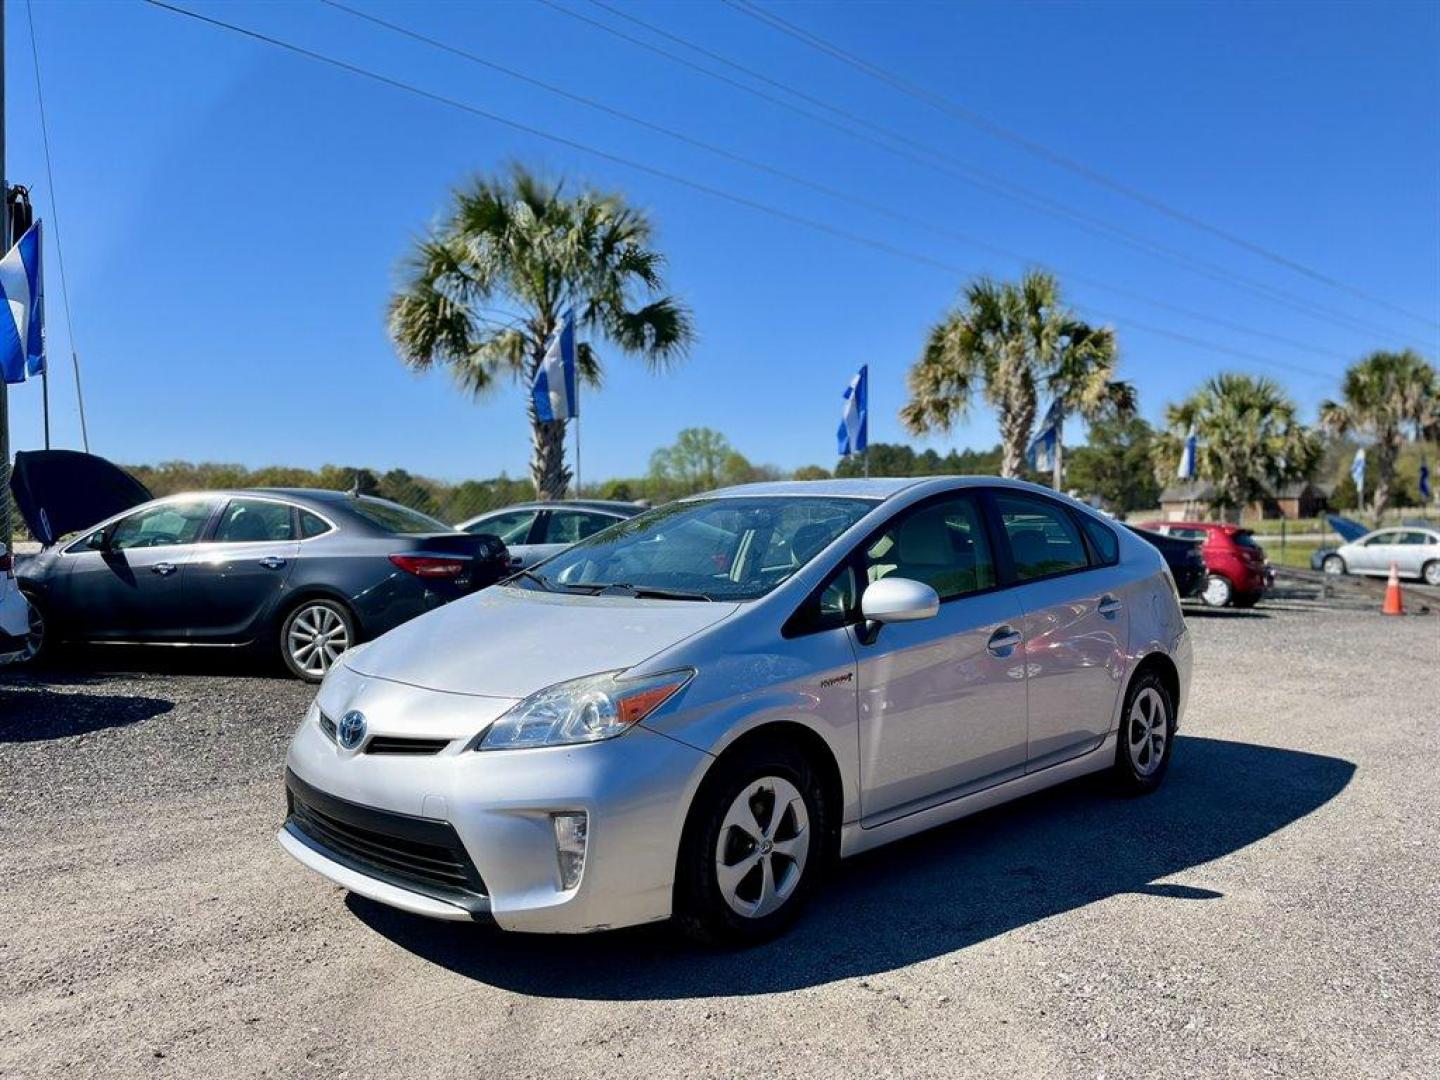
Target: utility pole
5, 530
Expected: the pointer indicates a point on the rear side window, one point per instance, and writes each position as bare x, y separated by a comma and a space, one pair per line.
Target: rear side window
248, 520
312, 525
1043, 537
1102, 538
942, 544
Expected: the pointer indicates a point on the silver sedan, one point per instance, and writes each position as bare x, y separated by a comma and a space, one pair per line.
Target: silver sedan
1414, 551
693, 712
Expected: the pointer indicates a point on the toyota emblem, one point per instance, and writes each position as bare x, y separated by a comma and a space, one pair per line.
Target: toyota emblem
350, 732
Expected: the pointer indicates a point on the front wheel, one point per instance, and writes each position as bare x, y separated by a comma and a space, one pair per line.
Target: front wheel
313, 636
1333, 565
38, 642
1431, 573
1147, 736
753, 848
1218, 591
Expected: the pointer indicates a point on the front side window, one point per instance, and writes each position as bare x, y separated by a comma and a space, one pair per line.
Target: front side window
161, 526
712, 549
1380, 539
572, 526
1042, 535
512, 527
250, 520
942, 544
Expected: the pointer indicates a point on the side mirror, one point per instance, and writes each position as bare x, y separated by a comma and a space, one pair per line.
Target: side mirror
895, 599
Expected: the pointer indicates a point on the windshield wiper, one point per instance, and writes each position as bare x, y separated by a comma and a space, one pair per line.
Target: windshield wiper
544, 585
647, 592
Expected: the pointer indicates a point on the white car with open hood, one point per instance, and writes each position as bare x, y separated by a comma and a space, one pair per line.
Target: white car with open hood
693, 712
14, 613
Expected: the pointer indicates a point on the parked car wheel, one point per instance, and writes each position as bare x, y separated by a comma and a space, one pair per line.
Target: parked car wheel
313, 636
1147, 735
38, 643
1333, 564
753, 849
1431, 572
1218, 591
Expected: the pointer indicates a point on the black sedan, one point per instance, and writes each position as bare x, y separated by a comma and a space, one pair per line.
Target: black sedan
1187, 564
308, 572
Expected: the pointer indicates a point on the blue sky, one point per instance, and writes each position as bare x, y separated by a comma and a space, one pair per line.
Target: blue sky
233, 215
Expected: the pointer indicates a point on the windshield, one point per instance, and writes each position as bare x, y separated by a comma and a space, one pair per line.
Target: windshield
710, 549
394, 518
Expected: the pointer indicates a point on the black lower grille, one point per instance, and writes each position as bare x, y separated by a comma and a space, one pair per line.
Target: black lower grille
394, 744
415, 853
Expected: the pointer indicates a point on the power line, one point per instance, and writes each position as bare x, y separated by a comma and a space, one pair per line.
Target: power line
804, 181
858, 127
1054, 157
740, 200
55, 218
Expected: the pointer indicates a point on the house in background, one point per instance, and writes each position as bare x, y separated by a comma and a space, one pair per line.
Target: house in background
1297, 499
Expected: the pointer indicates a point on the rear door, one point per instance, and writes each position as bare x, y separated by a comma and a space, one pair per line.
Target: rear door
558, 529
942, 700
124, 582
234, 580
516, 529
1076, 622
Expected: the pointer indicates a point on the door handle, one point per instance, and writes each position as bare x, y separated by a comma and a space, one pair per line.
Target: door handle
516, 562
1108, 605
272, 562
1003, 640
164, 569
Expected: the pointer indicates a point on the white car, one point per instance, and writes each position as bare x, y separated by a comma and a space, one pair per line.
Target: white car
692, 715
1414, 551
532, 532
14, 614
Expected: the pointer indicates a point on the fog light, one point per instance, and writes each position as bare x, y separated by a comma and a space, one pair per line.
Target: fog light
571, 834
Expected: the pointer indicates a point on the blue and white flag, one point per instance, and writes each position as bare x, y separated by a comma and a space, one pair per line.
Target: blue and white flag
554, 385
1186, 471
853, 434
1357, 472
1041, 453
22, 335
1424, 480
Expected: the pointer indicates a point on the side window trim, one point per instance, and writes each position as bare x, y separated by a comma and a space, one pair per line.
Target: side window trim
1008, 556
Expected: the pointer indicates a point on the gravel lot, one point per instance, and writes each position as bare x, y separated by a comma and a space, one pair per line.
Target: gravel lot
1272, 911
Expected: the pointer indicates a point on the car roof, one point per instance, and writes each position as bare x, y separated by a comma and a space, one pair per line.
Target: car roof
617, 505
879, 487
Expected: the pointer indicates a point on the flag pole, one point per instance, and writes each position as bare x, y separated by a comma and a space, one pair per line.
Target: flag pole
577, 435
5, 531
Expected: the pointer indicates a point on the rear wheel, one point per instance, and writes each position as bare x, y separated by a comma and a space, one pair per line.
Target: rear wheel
1333, 564
38, 643
1147, 735
1218, 591
753, 848
313, 636
1431, 572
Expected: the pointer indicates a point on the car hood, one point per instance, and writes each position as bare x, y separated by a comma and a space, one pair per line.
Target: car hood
65, 491
509, 643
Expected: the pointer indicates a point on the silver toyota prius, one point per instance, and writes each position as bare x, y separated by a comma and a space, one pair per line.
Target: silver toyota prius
694, 712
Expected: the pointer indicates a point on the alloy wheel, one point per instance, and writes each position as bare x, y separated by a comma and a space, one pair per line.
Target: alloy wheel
34, 634
1432, 573
1333, 564
1147, 731
764, 841
316, 638
1217, 591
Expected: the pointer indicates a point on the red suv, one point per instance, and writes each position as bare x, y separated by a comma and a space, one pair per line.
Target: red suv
1238, 571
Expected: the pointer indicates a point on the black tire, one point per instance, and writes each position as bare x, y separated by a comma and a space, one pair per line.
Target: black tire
41, 639
318, 610
1333, 564
1218, 591
702, 910
1430, 573
1138, 777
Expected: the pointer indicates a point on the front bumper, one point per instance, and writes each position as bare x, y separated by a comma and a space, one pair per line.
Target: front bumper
499, 805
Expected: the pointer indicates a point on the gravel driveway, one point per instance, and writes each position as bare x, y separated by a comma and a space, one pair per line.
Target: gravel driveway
1274, 910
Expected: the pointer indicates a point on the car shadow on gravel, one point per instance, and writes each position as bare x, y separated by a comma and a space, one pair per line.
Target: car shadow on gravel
929, 895
88, 665
36, 714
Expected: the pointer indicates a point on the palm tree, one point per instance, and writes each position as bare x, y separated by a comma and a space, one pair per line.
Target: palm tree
1382, 395
488, 286
1250, 439
1008, 341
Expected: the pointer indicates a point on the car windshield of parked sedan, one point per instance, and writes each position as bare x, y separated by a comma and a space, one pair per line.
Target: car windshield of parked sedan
705, 549
394, 518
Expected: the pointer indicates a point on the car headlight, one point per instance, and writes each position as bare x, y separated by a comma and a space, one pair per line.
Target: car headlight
581, 710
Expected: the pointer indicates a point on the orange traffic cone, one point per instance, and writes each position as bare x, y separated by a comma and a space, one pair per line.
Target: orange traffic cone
1394, 603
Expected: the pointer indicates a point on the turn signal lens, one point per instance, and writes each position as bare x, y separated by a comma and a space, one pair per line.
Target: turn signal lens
572, 833
580, 711
429, 566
